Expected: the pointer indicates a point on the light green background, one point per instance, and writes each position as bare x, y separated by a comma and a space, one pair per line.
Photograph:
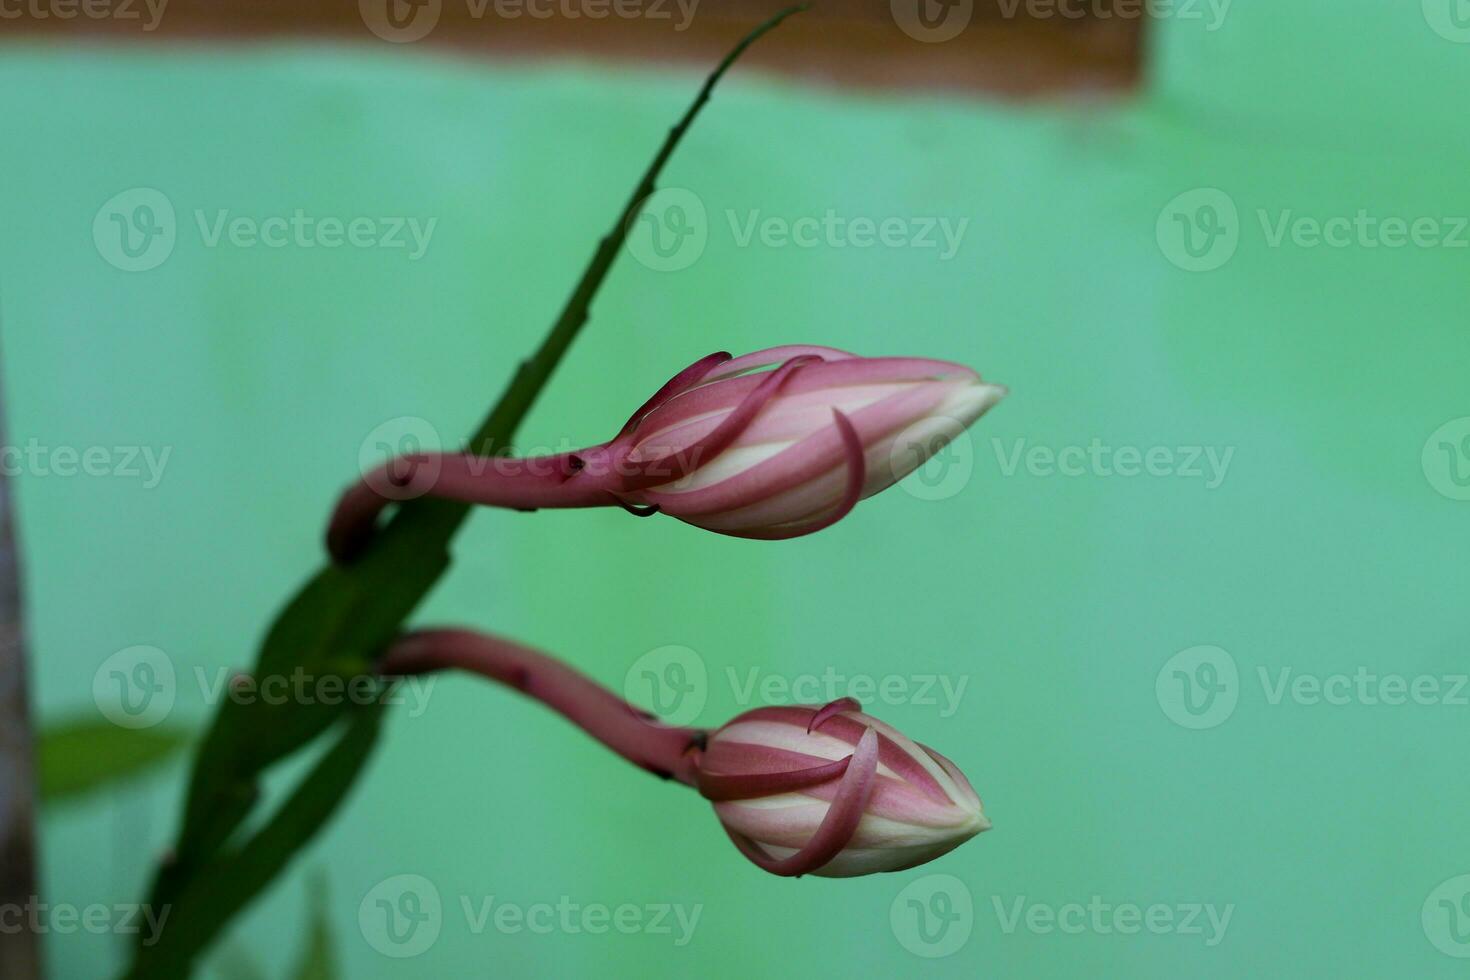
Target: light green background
1057, 600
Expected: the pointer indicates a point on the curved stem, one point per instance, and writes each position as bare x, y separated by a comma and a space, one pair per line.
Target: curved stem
628, 731
494, 481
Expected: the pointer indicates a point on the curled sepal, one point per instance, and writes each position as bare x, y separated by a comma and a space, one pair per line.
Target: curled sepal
836, 828
674, 466
831, 709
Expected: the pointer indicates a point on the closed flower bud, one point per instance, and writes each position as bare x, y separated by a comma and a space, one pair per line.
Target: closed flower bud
833, 792
785, 441
775, 444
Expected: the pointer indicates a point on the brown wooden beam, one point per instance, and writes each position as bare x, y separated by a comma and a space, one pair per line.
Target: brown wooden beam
1014, 47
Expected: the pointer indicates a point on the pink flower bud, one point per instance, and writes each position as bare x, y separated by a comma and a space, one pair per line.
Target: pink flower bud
775, 444
785, 441
834, 792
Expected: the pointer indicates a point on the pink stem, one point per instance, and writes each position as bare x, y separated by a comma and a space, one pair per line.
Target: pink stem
495, 481
566, 480
661, 749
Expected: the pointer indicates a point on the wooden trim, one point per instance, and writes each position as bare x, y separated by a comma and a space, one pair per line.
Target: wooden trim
1035, 50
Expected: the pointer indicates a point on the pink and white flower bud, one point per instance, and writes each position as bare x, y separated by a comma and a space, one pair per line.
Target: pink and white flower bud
775, 444
834, 792
785, 441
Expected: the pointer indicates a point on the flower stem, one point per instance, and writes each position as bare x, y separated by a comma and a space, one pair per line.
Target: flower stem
493, 481
630, 732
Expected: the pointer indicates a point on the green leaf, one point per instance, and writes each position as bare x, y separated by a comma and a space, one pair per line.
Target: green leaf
337, 624
209, 898
319, 959
85, 755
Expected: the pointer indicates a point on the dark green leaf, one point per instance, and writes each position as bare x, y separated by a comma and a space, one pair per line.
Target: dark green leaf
319, 959
81, 756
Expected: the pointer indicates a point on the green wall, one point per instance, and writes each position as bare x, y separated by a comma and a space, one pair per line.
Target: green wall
1329, 540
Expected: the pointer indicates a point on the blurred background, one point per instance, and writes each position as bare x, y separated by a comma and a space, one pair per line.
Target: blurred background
1188, 607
